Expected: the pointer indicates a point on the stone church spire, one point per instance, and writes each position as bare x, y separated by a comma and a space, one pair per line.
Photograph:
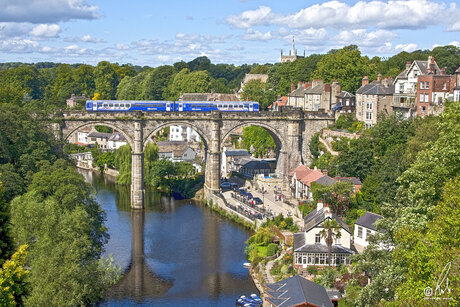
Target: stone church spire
293, 51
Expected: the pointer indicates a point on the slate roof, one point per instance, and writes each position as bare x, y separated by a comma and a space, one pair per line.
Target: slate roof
325, 180
368, 220
423, 65
237, 153
317, 216
300, 245
297, 290
299, 92
376, 88
117, 137
317, 89
100, 135
345, 94
257, 165
354, 180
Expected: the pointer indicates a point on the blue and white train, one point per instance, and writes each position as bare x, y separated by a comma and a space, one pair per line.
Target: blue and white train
170, 106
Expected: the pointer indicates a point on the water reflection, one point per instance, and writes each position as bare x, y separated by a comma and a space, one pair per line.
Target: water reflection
139, 282
181, 253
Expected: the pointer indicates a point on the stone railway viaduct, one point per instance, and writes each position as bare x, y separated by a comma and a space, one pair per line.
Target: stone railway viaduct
290, 129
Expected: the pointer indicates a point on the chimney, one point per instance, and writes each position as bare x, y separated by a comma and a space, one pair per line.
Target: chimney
408, 64
292, 87
307, 84
443, 71
327, 211
324, 171
365, 81
299, 84
319, 205
317, 82
315, 168
379, 76
327, 87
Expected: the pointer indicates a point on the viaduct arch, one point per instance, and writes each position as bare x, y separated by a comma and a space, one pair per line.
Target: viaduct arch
291, 130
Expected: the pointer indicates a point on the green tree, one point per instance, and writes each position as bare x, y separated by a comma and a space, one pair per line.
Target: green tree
344, 65
123, 164
6, 243
64, 227
106, 80
253, 90
258, 139
13, 284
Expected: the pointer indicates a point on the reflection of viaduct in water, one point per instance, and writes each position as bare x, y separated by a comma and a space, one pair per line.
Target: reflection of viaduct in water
139, 282
291, 130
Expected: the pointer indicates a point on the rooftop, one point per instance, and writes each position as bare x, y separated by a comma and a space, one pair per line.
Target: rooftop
297, 290
368, 220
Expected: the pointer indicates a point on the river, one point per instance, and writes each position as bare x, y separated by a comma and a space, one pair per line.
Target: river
174, 253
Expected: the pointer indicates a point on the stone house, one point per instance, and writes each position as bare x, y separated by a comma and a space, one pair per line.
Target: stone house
310, 247
344, 103
364, 227
99, 138
457, 85
372, 99
313, 96
296, 98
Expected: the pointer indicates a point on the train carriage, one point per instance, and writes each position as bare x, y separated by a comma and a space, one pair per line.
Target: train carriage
170, 106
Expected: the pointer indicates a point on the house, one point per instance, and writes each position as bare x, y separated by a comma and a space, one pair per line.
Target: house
116, 140
320, 96
296, 185
457, 85
231, 159
178, 152
279, 103
255, 167
183, 133
73, 100
80, 137
433, 89
374, 98
292, 54
310, 247
295, 291
364, 227
99, 138
344, 103
405, 85
313, 96
83, 159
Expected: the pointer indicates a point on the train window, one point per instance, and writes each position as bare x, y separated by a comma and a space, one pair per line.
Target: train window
128, 105
240, 106
138, 105
110, 104
122, 105
225, 106
104, 105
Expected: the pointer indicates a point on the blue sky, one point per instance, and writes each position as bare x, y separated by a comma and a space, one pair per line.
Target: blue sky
232, 31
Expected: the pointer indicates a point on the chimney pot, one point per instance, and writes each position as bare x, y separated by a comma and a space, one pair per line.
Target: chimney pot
365, 80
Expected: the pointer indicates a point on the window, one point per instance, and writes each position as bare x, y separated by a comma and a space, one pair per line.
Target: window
421, 97
422, 87
369, 115
368, 233
337, 241
426, 98
360, 232
444, 86
427, 85
317, 238
369, 106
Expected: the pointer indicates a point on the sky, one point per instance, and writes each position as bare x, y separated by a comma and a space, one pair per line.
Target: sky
155, 33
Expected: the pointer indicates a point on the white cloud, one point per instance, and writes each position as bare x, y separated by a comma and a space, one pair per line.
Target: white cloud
46, 49
89, 39
364, 38
263, 15
406, 47
19, 46
395, 14
14, 29
121, 46
46, 11
44, 30
164, 58
252, 35
455, 43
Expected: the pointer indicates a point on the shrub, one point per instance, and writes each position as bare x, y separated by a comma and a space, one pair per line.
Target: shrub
271, 249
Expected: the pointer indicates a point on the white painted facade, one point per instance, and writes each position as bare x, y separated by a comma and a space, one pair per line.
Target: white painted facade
183, 133
361, 235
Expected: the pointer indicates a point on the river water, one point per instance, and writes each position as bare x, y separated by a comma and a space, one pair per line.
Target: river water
174, 253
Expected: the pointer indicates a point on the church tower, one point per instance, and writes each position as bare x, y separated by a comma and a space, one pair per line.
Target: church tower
292, 54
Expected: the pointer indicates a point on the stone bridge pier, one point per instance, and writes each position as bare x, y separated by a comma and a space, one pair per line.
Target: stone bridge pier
291, 131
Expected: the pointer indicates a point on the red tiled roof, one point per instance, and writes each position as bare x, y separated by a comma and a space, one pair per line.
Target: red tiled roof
312, 176
300, 171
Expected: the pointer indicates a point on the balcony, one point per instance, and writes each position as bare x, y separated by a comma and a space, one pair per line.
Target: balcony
405, 102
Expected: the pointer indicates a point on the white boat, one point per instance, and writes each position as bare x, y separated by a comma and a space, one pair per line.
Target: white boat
247, 265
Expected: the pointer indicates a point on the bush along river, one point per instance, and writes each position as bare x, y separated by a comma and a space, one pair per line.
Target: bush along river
174, 253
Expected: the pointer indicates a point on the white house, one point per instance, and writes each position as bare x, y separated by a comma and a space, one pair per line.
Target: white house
230, 159
116, 140
364, 227
310, 247
183, 133
82, 135
83, 159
